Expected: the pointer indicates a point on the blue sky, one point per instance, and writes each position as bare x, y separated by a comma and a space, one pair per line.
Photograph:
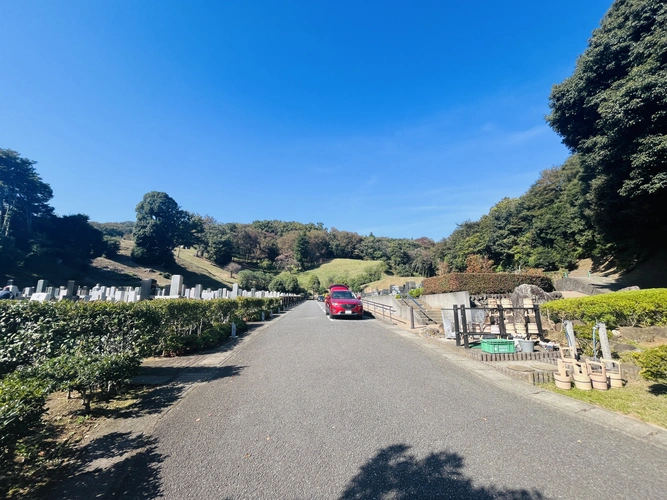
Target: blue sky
397, 118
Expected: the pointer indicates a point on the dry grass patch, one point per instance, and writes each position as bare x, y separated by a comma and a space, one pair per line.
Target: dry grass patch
187, 258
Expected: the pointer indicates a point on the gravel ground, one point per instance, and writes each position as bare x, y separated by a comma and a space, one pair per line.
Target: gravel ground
319, 408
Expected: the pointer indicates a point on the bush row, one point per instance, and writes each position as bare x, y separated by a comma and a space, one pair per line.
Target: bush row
484, 283
97, 346
33, 331
631, 308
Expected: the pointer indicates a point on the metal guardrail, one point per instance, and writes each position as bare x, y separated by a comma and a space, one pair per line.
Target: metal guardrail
385, 310
419, 306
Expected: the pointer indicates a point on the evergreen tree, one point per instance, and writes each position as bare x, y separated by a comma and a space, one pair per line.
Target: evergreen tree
612, 111
160, 227
301, 249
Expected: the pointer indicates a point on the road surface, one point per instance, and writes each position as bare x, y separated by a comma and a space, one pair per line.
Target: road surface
313, 408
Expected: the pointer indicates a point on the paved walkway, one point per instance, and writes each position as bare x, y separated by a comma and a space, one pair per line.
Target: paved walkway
197, 367
297, 411
201, 367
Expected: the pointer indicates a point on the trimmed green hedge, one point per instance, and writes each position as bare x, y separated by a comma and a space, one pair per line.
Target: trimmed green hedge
92, 346
484, 283
33, 331
631, 308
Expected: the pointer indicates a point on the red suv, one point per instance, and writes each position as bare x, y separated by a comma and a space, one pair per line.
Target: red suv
340, 301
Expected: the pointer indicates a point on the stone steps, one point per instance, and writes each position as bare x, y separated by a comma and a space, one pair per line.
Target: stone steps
432, 315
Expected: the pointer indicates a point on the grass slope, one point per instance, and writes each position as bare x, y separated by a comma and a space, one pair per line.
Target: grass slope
121, 270
195, 271
338, 268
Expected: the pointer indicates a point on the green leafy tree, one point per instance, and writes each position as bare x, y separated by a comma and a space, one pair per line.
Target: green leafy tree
160, 227
285, 283
314, 283
344, 244
220, 250
72, 239
612, 111
23, 194
318, 245
302, 250
258, 280
374, 248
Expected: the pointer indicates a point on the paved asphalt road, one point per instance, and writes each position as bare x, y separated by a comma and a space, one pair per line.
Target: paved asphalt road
315, 408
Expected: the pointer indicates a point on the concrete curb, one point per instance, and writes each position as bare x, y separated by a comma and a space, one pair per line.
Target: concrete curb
647, 433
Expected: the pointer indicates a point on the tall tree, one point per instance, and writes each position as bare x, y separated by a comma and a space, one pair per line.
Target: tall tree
70, 238
314, 284
23, 194
613, 112
160, 227
301, 249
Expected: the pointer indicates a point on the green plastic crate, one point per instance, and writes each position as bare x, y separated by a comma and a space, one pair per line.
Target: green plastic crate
496, 346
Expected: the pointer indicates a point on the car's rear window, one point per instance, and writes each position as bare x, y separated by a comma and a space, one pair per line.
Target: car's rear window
342, 295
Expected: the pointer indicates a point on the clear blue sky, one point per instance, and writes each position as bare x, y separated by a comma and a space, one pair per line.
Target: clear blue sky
400, 118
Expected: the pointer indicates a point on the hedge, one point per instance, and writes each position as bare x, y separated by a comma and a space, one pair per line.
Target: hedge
91, 346
631, 308
484, 283
33, 331
22, 403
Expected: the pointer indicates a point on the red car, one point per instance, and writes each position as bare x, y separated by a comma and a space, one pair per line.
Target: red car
341, 301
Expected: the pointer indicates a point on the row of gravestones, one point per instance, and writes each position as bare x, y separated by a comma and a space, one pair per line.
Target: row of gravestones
176, 290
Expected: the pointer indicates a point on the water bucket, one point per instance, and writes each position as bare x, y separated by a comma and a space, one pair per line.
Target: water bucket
582, 382
527, 345
562, 381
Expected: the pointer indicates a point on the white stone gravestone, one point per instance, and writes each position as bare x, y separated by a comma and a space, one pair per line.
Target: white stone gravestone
176, 285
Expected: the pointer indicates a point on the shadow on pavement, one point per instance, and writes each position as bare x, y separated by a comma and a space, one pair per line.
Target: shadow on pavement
127, 464
117, 465
165, 395
393, 473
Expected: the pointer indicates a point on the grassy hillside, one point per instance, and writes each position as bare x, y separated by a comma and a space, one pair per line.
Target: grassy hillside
123, 271
338, 268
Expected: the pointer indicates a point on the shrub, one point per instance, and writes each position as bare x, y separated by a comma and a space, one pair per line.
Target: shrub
653, 363
254, 279
87, 373
483, 283
631, 308
33, 331
416, 293
22, 403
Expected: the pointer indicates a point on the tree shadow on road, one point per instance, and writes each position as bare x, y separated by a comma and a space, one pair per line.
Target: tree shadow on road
157, 399
119, 465
393, 473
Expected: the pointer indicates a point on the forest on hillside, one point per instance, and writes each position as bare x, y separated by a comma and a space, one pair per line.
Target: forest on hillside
606, 202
